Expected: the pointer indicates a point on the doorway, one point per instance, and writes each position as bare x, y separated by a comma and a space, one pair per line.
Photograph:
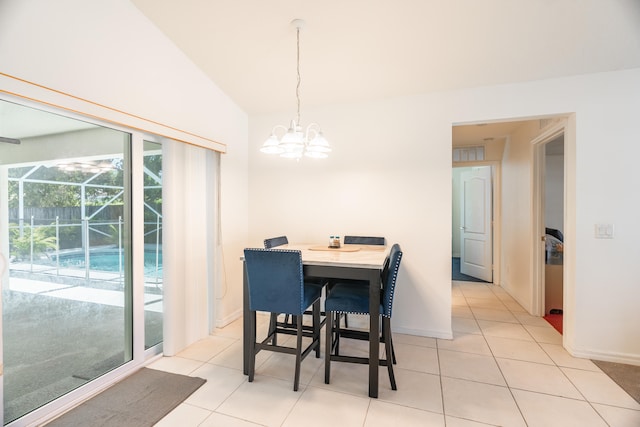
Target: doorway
514, 148
550, 168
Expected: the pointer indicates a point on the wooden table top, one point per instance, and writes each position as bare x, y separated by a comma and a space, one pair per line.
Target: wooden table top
364, 256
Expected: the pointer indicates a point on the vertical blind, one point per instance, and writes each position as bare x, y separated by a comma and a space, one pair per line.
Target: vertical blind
190, 190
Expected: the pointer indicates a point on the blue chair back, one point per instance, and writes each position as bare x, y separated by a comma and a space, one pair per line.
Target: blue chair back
389, 278
364, 240
275, 241
275, 280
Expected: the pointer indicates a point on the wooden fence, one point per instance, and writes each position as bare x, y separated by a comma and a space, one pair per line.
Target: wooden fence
44, 216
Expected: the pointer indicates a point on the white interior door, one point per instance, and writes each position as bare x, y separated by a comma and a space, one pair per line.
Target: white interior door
476, 245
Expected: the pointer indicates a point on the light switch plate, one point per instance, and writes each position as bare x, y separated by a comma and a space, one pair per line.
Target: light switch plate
604, 231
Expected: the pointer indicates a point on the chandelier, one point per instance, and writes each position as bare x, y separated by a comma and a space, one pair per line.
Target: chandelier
88, 166
294, 142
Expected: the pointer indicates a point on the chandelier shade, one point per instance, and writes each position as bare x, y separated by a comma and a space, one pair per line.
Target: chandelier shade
293, 142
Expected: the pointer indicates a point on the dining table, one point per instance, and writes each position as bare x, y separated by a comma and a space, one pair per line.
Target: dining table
359, 262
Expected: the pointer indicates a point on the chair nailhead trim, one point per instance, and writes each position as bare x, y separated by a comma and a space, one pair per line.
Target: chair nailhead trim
396, 267
301, 271
356, 312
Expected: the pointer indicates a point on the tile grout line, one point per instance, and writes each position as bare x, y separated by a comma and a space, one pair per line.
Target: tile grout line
502, 373
498, 365
555, 364
444, 410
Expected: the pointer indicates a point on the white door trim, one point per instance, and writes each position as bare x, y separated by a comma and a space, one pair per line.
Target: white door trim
538, 203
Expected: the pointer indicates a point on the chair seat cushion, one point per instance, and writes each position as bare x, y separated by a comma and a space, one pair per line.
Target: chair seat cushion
349, 298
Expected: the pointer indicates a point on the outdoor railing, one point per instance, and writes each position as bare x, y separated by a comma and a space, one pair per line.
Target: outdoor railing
87, 227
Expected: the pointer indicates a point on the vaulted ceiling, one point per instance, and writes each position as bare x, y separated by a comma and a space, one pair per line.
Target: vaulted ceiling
360, 50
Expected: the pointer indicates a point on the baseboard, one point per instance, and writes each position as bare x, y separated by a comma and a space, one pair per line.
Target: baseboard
627, 359
222, 322
509, 291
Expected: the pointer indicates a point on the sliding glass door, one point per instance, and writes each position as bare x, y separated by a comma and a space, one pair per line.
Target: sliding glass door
65, 210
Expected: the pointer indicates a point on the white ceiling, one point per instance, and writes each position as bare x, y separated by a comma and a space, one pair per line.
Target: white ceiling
360, 50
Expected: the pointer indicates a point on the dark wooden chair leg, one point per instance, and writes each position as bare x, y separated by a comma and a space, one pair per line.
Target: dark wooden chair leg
386, 330
273, 320
252, 345
336, 333
328, 345
296, 379
316, 326
386, 337
393, 350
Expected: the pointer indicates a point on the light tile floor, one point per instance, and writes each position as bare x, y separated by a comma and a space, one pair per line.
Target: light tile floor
503, 368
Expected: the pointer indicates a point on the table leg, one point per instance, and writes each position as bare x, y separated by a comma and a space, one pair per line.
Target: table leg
246, 326
374, 331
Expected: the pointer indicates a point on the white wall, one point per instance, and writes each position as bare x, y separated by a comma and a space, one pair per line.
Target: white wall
390, 174
377, 181
517, 214
109, 53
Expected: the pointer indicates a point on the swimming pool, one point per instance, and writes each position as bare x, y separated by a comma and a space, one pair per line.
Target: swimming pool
107, 260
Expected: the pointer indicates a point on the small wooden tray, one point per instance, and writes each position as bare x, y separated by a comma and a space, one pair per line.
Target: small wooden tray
340, 249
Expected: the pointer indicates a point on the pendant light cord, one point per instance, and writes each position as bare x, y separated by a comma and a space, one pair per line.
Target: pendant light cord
295, 142
298, 72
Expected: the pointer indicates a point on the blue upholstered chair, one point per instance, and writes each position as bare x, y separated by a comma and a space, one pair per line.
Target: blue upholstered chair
349, 297
275, 241
276, 285
269, 243
289, 322
363, 240
360, 240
